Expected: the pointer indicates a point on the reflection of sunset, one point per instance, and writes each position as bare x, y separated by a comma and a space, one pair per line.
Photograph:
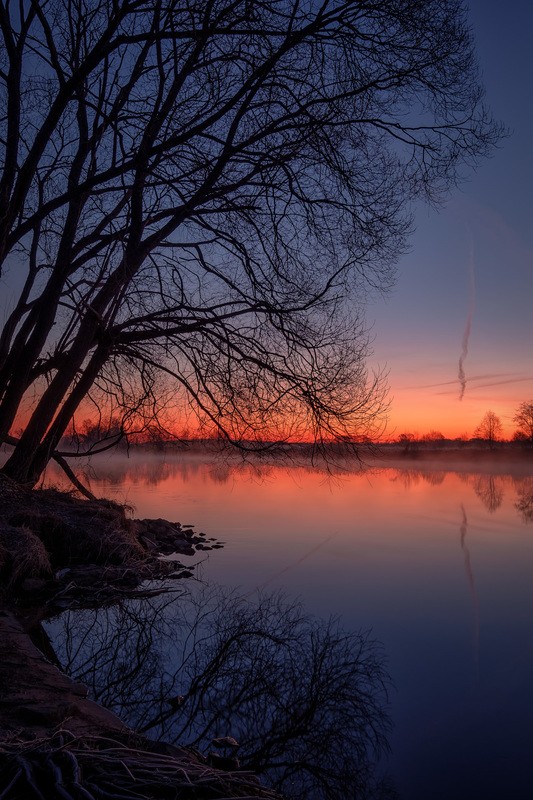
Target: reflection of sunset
433, 557
419, 404
230, 492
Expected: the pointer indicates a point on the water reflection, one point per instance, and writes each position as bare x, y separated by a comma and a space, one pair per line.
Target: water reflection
490, 491
463, 529
436, 560
154, 471
524, 504
305, 700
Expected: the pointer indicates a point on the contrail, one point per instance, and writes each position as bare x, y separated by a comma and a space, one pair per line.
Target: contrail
464, 353
466, 335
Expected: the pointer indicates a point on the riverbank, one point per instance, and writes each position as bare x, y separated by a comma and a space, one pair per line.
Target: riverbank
59, 552
56, 742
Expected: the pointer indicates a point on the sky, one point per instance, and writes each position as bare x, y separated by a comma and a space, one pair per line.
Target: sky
465, 289
456, 332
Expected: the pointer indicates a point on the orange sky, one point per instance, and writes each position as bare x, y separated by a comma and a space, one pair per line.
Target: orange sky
416, 410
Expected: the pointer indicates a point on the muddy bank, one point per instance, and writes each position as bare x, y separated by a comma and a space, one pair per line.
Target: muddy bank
36, 698
55, 742
56, 552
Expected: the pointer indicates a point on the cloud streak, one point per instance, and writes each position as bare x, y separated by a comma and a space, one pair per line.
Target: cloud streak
509, 377
492, 383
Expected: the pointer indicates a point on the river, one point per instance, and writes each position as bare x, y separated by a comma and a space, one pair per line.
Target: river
434, 560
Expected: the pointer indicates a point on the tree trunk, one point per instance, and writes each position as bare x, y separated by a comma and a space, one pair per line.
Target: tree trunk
24, 352
43, 432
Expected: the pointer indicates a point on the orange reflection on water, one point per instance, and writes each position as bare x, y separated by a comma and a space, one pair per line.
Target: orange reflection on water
436, 561
302, 501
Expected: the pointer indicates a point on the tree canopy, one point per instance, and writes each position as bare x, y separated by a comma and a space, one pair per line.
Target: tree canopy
490, 428
524, 419
196, 196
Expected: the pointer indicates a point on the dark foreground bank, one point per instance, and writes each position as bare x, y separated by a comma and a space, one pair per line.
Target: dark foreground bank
59, 552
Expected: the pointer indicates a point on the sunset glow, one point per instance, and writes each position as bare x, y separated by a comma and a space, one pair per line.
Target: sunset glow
419, 410
266, 399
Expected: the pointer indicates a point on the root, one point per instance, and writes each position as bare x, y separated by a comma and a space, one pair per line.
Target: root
99, 767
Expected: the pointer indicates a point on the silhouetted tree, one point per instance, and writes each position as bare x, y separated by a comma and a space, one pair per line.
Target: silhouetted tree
409, 441
432, 436
490, 428
524, 419
194, 197
91, 432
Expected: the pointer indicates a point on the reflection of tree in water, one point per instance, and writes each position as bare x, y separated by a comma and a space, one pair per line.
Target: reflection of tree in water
434, 477
151, 469
406, 477
304, 699
490, 491
412, 477
524, 503
220, 473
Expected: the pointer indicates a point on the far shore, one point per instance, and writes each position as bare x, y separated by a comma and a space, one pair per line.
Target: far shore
335, 459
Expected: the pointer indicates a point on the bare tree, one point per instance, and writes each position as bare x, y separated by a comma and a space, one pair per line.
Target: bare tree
490, 429
433, 438
409, 442
524, 419
195, 197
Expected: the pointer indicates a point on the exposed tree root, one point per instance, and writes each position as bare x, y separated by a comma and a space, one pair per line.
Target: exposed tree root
89, 768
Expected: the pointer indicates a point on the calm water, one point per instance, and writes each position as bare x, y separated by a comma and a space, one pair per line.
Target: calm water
437, 563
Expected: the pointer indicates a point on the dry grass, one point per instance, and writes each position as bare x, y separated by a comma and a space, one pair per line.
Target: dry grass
22, 555
78, 535
86, 546
46, 530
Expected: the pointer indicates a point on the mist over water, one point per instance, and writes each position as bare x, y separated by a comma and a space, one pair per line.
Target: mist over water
434, 557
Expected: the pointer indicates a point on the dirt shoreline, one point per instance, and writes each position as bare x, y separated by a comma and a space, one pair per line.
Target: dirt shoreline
59, 552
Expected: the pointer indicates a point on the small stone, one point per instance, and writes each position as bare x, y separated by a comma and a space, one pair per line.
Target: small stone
225, 741
186, 573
